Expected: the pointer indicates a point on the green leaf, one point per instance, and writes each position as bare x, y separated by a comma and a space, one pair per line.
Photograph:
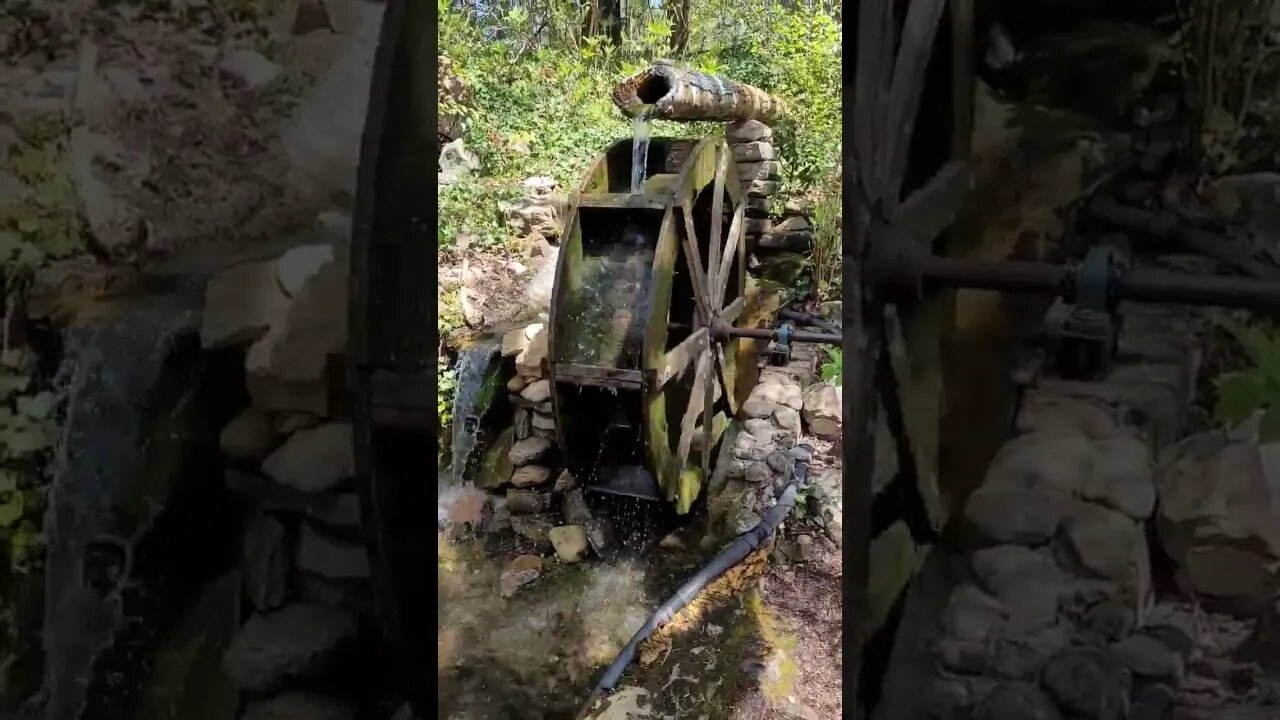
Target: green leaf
1240, 395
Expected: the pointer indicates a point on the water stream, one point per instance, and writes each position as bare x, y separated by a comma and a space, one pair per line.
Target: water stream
641, 128
475, 390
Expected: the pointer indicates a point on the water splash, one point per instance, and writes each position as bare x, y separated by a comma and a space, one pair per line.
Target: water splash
640, 127
475, 372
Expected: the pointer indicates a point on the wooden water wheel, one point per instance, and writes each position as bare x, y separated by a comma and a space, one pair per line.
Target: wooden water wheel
646, 284
884, 106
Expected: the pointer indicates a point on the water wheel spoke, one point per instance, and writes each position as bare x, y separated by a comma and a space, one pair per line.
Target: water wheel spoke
928, 211
693, 258
697, 399
874, 48
722, 379
714, 238
709, 404
733, 310
680, 357
730, 254
906, 92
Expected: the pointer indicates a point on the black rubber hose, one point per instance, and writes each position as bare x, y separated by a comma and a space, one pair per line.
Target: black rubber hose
812, 319
743, 546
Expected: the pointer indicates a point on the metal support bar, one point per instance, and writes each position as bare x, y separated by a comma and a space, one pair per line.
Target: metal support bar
1138, 284
767, 334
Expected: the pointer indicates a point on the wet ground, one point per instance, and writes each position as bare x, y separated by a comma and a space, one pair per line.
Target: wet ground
750, 647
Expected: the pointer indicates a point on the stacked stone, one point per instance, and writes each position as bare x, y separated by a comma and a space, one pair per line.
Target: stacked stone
530, 388
751, 144
763, 452
532, 458
1047, 623
793, 233
304, 567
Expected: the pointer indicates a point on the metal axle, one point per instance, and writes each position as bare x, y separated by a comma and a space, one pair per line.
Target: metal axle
907, 275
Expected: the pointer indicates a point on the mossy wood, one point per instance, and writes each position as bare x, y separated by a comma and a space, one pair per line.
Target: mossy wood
640, 279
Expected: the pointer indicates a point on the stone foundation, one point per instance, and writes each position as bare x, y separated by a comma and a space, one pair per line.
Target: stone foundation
305, 567
1054, 592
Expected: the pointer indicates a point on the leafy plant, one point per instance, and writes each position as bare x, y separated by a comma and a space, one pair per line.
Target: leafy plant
834, 366
825, 260
1242, 394
448, 385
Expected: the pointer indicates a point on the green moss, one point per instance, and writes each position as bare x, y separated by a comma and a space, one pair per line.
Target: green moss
496, 469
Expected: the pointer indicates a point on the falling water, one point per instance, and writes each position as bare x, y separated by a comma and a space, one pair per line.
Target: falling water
639, 150
474, 369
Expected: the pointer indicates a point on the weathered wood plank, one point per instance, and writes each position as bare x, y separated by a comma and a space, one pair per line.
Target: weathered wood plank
715, 238
693, 258
962, 77
680, 357
875, 41
730, 314
697, 400
906, 92
931, 209
617, 201
730, 254
598, 375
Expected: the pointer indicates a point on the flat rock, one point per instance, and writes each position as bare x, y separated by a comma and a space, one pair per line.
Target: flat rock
529, 450
314, 460
296, 268
570, 542
1044, 460
972, 615
519, 572
536, 392
1017, 701
740, 131
1016, 515
752, 152
297, 641
248, 436
531, 361
1102, 540
330, 557
240, 304
1122, 479
530, 476
822, 411
298, 706
1085, 682
297, 346
527, 502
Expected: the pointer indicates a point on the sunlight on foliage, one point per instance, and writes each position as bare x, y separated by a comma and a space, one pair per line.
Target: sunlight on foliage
534, 77
834, 366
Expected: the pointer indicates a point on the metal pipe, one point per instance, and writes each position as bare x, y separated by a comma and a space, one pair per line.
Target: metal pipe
667, 92
1161, 286
1138, 284
1012, 276
767, 334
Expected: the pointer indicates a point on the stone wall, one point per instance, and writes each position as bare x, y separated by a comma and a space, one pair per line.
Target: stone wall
305, 567
760, 173
1056, 586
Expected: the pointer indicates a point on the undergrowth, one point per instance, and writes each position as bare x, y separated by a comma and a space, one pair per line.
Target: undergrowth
539, 92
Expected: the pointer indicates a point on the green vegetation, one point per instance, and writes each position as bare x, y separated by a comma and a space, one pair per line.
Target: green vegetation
834, 366
537, 102
540, 91
1255, 389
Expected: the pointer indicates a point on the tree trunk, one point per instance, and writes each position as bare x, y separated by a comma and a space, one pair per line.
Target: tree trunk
679, 94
